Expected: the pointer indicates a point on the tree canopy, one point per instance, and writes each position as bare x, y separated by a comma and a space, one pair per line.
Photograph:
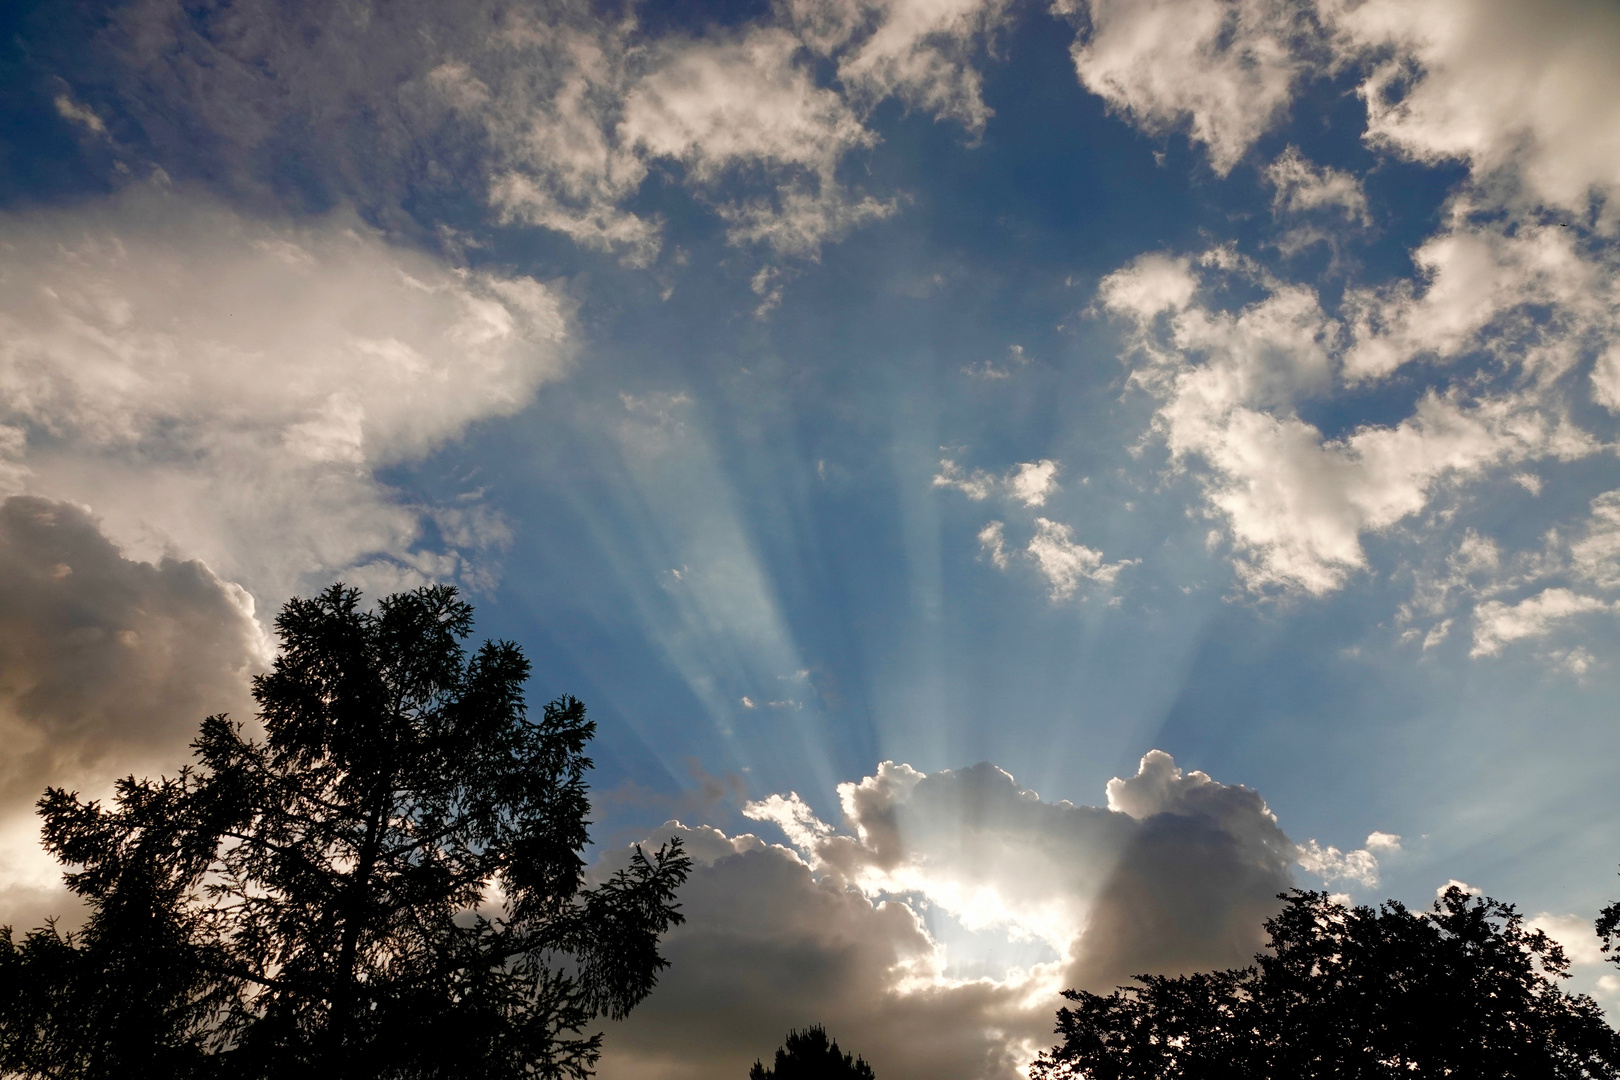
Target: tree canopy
387, 884
811, 1055
1464, 990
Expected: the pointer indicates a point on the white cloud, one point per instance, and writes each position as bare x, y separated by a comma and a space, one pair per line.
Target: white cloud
1028, 483
1331, 864
919, 51
976, 485
1297, 503
1227, 69
721, 106
83, 115
1595, 557
993, 542
560, 110
1526, 89
1497, 623
227, 388
1066, 563
1031, 482
1383, 841
1480, 283
1302, 187
1577, 936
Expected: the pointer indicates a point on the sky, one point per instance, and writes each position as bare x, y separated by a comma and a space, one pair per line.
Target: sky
1017, 486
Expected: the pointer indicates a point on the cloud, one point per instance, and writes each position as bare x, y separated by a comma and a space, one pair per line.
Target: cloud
561, 112
993, 542
721, 106
1053, 552
1031, 482
1301, 188
228, 388
861, 928
1577, 936
1595, 557
1065, 563
919, 51
1526, 90
1028, 483
768, 946
72, 111
1497, 623
107, 665
1230, 384
1331, 864
1225, 69
1483, 286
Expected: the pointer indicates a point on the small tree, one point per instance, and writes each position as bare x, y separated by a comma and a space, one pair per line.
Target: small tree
810, 1055
1462, 991
388, 885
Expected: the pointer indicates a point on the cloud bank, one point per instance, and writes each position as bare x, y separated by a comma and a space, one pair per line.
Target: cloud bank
228, 388
107, 666
860, 927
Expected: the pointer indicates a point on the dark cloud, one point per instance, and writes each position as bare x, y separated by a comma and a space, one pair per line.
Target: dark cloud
1177, 873
107, 665
769, 946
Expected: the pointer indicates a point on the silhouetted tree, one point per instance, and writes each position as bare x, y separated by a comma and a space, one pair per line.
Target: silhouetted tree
1352, 992
389, 884
810, 1055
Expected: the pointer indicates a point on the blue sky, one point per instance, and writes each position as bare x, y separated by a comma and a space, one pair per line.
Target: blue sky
808, 386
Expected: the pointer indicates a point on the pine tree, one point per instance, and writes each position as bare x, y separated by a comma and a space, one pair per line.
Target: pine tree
811, 1055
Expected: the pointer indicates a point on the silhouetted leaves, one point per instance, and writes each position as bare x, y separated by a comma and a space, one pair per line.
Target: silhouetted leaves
1463, 990
810, 1055
388, 885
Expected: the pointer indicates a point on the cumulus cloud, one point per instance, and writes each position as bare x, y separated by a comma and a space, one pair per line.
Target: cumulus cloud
1052, 550
770, 945
1226, 70
1576, 935
1360, 866
1497, 623
228, 388
1479, 289
1066, 563
1028, 483
857, 927
1526, 90
1230, 383
107, 665
1054, 553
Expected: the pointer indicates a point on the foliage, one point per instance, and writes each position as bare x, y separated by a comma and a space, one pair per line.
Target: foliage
1464, 990
810, 1055
388, 884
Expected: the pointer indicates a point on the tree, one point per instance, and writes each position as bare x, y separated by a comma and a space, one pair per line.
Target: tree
810, 1055
388, 884
1351, 992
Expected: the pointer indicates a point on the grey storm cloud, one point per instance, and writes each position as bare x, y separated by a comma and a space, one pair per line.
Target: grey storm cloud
1177, 873
107, 665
